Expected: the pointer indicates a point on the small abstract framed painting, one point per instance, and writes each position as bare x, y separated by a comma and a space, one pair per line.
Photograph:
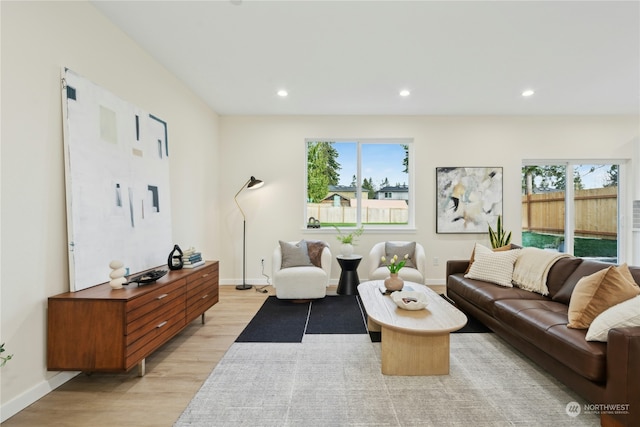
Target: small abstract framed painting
468, 199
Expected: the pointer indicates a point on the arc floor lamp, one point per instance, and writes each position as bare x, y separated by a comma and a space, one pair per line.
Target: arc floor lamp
251, 184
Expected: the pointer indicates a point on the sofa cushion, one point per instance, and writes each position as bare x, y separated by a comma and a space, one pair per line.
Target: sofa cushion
494, 267
635, 273
585, 268
543, 323
595, 293
560, 272
483, 294
531, 318
622, 315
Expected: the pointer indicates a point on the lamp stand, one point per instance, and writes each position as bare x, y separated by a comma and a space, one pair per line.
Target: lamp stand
252, 183
244, 286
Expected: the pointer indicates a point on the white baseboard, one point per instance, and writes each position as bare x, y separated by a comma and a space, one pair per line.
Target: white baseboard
12, 407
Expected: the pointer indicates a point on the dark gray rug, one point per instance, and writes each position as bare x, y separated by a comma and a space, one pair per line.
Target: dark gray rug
277, 321
286, 321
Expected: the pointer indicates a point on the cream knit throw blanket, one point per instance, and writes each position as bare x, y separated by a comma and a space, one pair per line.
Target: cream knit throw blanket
532, 268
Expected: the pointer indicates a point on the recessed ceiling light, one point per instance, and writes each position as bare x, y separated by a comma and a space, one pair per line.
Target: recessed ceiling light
405, 93
283, 93
527, 93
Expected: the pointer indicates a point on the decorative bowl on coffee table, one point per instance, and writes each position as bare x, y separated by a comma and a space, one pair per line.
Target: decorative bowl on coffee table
410, 300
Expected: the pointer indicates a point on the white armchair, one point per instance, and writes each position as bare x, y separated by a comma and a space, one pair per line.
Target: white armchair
381, 272
301, 282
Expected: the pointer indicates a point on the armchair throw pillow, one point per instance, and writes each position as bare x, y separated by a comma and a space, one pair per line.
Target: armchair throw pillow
391, 249
294, 254
315, 248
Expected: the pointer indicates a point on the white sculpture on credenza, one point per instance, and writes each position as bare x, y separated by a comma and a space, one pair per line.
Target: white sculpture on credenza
117, 274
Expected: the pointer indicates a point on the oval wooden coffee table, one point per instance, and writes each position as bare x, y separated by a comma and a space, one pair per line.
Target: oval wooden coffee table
413, 342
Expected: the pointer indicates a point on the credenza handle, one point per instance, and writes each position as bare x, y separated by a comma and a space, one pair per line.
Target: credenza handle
162, 296
205, 275
161, 324
205, 296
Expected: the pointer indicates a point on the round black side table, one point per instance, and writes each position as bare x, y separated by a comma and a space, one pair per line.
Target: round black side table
349, 281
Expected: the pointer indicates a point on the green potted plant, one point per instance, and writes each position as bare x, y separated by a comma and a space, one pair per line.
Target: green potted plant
348, 240
394, 282
499, 237
4, 359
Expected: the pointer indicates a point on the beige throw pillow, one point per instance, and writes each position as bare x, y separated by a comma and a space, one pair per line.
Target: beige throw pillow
597, 292
494, 267
478, 248
622, 315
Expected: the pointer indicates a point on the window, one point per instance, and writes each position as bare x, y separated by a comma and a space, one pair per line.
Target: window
581, 218
360, 182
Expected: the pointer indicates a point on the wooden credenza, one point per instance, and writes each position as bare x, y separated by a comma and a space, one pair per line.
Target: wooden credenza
100, 329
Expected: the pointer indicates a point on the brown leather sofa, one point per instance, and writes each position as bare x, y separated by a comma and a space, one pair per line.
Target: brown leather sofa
605, 374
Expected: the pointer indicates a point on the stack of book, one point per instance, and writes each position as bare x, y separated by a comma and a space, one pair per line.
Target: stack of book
191, 258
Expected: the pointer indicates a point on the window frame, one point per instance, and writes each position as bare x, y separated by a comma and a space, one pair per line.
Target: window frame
409, 142
569, 219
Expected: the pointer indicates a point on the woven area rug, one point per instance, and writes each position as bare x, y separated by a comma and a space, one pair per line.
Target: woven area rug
335, 380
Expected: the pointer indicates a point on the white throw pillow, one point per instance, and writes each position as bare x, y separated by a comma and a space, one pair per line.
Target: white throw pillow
494, 267
621, 315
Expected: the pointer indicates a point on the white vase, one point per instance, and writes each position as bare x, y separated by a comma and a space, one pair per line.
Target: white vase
346, 250
393, 282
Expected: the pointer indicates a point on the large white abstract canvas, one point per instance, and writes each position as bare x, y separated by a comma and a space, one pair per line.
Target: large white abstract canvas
117, 176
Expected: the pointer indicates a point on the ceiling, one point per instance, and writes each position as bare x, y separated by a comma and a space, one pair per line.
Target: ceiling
353, 57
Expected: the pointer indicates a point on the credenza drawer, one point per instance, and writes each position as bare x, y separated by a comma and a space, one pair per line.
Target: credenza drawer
200, 303
208, 273
154, 338
154, 300
202, 292
144, 324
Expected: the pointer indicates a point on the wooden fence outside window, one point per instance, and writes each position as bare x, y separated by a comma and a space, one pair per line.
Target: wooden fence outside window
596, 212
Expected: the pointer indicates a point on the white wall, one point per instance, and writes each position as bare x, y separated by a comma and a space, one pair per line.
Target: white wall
273, 149
38, 38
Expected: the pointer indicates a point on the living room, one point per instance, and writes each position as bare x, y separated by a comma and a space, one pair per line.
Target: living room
215, 152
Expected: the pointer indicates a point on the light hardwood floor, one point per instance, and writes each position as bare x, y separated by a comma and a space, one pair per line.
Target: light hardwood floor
175, 373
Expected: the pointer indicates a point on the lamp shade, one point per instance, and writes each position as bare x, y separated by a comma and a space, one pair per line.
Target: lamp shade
254, 183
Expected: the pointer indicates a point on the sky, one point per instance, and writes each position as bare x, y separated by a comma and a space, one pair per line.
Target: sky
379, 161
595, 179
